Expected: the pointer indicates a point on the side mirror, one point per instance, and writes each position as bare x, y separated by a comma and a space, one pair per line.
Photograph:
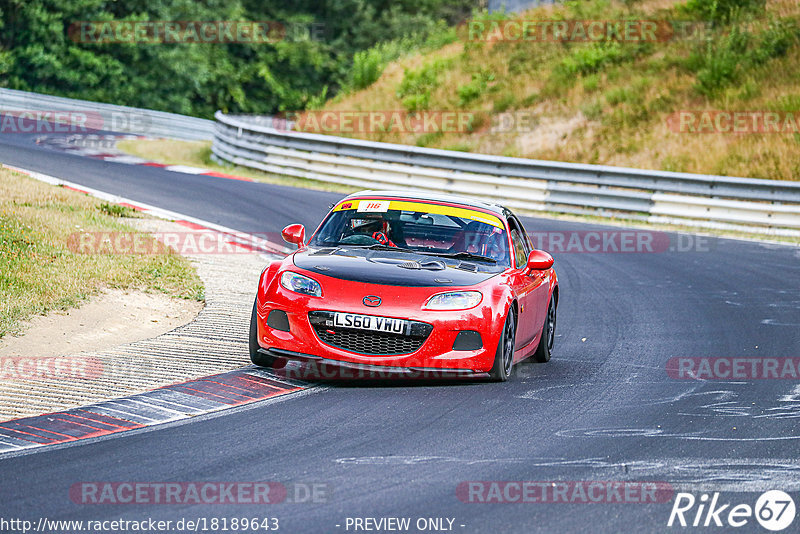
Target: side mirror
539, 260
295, 234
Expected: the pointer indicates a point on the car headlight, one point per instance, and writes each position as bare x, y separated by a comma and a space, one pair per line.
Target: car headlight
301, 284
454, 300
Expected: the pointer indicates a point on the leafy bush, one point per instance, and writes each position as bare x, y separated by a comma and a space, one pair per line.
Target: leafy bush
417, 102
775, 41
722, 11
367, 68
475, 88
530, 100
415, 89
460, 147
617, 95
592, 110
722, 60
504, 102
368, 65
115, 210
39, 51
428, 138
591, 83
590, 59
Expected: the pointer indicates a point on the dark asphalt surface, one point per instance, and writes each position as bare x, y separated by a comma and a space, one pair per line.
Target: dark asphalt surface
603, 409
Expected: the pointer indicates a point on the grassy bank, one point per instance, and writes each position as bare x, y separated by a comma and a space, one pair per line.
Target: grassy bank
609, 102
38, 271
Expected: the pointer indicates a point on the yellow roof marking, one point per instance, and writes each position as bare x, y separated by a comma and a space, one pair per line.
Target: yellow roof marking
437, 209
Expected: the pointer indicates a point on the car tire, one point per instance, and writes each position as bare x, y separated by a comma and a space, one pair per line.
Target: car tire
504, 355
262, 360
545, 348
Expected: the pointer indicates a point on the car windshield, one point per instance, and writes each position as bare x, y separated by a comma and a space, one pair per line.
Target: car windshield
421, 227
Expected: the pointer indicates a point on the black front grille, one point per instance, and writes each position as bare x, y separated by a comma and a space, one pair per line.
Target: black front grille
366, 342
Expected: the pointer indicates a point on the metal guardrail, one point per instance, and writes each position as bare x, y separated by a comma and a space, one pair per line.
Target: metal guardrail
747, 204
99, 116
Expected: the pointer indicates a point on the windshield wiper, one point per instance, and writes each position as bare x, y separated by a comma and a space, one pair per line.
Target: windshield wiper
379, 246
374, 246
463, 256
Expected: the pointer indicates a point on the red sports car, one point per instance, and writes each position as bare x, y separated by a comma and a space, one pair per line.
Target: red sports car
408, 283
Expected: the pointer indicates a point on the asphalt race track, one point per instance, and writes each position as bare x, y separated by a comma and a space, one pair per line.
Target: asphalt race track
604, 408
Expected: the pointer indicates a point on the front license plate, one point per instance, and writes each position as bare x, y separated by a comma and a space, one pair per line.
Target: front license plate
370, 322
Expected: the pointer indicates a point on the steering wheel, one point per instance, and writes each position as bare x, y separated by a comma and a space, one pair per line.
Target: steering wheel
381, 238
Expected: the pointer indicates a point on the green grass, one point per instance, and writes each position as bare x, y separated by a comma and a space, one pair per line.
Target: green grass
417, 85
115, 210
368, 65
40, 273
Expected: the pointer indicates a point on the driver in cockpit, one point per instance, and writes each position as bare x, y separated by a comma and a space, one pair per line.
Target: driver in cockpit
380, 229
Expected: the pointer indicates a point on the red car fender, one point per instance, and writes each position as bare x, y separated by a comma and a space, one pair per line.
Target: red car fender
267, 278
505, 300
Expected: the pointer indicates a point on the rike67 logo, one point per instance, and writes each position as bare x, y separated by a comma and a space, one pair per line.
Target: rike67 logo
774, 510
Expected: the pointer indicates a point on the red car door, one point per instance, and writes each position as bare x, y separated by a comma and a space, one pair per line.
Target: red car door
530, 288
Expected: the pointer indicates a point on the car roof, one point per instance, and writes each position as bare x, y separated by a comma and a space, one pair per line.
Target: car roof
436, 197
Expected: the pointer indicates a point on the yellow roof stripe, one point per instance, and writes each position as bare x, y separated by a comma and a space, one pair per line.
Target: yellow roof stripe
424, 207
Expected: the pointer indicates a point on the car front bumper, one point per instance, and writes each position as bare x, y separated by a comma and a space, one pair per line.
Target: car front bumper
302, 342
309, 367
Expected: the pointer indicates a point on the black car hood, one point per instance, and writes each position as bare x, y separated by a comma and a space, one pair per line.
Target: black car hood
393, 268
